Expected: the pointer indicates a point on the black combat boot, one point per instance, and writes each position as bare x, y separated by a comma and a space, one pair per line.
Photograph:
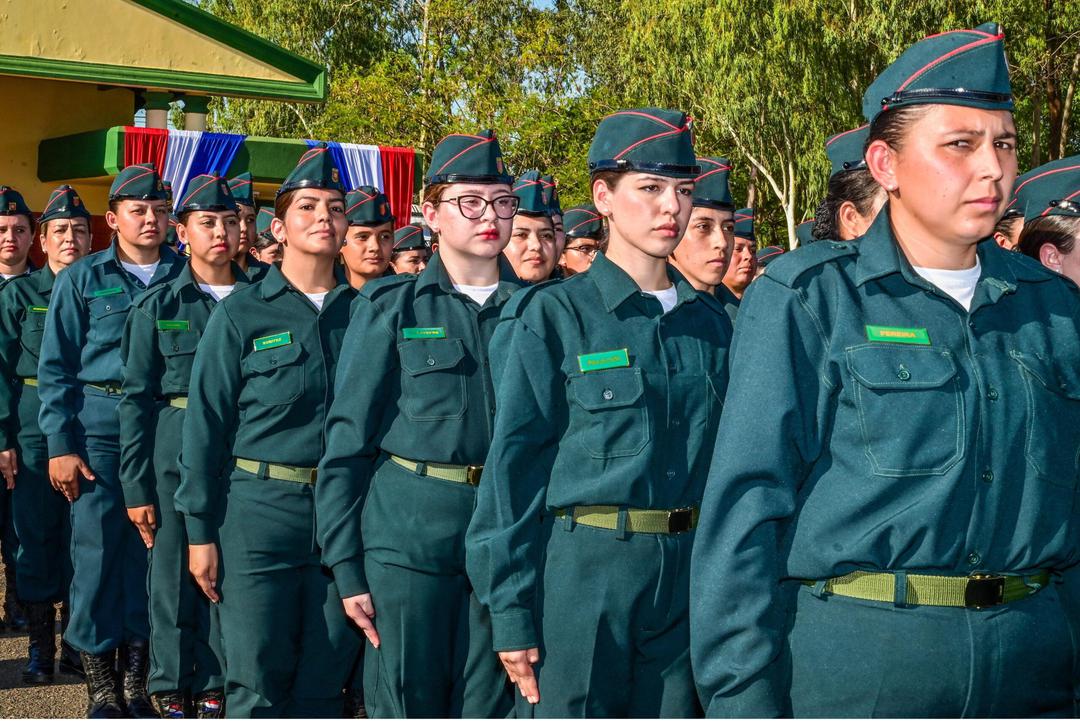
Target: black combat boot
42, 647
104, 699
210, 704
135, 660
70, 661
14, 614
170, 704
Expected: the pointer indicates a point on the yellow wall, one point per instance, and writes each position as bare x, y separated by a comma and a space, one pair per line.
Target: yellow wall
101, 31
39, 109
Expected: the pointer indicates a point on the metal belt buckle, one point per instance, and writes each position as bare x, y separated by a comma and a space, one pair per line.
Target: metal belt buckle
984, 590
472, 475
314, 472
680, 520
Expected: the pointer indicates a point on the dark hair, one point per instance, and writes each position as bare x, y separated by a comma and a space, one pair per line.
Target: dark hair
1006, 224
891, 125
611, 178
263, 241
1060, 231
857, 186
283, 201
434, 193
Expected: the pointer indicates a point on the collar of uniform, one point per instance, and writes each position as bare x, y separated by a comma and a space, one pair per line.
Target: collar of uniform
615, 285
44, 279
187, 278
166, 255
879, 255
435, 275
275, 283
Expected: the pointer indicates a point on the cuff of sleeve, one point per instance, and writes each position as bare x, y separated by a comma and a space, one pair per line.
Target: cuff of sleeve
350, 578
136, 494
513, 631
201, 530
760, 698
61, 444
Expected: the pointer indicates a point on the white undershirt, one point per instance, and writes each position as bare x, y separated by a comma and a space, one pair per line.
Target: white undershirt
668, 297
217, 292
317, 298
479, 293
142, 272
9, 276
958, 284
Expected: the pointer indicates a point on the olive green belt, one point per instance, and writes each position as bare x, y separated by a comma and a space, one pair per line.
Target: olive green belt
178, 401
111, 388
469, 475
30, 382
636, 520
277, 471
978, 590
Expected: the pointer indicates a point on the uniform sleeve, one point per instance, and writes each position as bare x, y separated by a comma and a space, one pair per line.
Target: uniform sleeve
502, 545
209, 426
66, 326
367, 368
141, 369
9, 356
770, 434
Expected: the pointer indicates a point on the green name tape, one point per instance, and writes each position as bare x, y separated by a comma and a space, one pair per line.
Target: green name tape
108, 291
413, 333
174, 325
602, 361
886, 334
38, 309
272, 341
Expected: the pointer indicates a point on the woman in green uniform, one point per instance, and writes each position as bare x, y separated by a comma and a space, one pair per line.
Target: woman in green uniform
369, 241
854, 197
895, 544
411, 251
584, 238
533, 247
40, 513
253, 432
1051, 203
406, 439
704, 252
163, 331
243, 193
266, 249
609, 395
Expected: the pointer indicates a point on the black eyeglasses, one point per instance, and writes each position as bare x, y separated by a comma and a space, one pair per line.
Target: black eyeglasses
474, 206
586, 250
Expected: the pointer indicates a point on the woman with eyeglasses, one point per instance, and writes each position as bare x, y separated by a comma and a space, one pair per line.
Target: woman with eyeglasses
406, 438
584, 229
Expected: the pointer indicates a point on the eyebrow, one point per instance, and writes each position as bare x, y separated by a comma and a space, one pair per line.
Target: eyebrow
968, 132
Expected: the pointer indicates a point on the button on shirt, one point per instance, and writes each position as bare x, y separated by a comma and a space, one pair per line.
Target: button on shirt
580, 421
897, 431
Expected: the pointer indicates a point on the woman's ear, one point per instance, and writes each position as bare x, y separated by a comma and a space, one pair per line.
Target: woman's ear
431, 216
849, 221
601, 194
277, 229
1050, 256
110, 220
881, 162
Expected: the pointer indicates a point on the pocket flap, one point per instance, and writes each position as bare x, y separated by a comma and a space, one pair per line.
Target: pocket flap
109, 304
899, 367
263, 361
614, 388
172, 343
1062, 383
422, 356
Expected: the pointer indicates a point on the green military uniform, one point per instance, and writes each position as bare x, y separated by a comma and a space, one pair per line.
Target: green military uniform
804, 231
158, 349
845, 150
606, 411
410, 237
260, 388
919, 443
744, 228
397, 484
243, 192
768, 254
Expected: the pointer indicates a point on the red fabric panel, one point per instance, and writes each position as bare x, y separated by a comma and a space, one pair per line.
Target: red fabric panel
398, 169
145, 145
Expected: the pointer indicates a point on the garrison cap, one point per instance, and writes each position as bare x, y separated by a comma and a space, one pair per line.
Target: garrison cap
582, 221
64, 202
804, 231
168, 189
549, 182
461, 158
846, 150
138, 182
1051, 189
958, 67
207, 192
647, 140
367, 206
316, 169
534, 197
243, 192
12, 203
410, 237
171, 237
262, 220
744, 223
711, 187
767, 254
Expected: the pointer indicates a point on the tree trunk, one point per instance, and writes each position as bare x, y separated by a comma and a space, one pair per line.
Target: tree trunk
1036, 128
1066, 113
751, 188
1054, 42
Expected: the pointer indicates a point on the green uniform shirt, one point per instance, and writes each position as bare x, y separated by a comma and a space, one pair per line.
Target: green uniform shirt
260, 388
603, 399
415, 381
157, 352
875, 424
83, 329
729, 301
24, 301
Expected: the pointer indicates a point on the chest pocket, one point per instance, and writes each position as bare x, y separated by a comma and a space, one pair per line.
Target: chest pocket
911, 411
107, 316
432, 379
1052, 446
275, 375
609, 415
178, 350
30, 334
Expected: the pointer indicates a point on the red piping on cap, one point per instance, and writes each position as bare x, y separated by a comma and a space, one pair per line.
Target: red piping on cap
212, 179
645, 115
956, 51
836, 137
1068, 197
146, 171
593, 219
483, 141
963, 30
648, 140
60, 194
415, 230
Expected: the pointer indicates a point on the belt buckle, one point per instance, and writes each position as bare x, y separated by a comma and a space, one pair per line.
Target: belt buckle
312, 475
680, 520
984, 590
472, 475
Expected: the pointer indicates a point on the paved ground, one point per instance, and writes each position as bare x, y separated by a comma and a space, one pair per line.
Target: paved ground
65, 698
